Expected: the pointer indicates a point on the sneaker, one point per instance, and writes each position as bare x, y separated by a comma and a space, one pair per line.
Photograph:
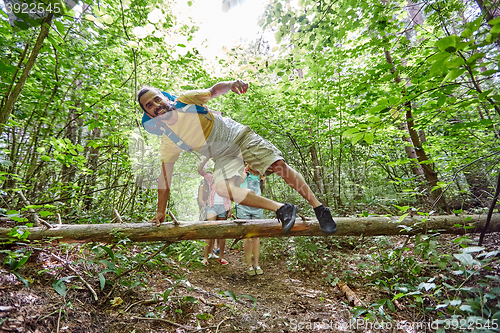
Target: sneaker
213, 255
286, 215
251, 271
259, 270
204, 262
223, 261
326, 222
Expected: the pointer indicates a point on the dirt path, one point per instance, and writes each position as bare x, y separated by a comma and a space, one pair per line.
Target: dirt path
283, 301
203, 299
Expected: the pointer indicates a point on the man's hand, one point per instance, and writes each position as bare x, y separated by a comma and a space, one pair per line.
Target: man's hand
158, 219
239, 87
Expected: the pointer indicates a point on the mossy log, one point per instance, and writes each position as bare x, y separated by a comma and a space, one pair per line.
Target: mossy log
237, 229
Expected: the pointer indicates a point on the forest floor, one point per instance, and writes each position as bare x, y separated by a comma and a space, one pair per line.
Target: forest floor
283, 299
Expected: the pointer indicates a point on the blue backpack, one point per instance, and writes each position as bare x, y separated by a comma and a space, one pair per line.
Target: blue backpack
158, 127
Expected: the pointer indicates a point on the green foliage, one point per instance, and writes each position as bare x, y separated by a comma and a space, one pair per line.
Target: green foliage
60, 286
405, 276
17, 258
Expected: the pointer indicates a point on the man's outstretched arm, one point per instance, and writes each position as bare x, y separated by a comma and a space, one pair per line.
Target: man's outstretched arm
238, 86
164, 181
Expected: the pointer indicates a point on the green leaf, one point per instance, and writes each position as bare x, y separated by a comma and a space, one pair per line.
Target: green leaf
204, 316
166, 294
376, 109
441, 100
438, 56
447, 44
357, 137
467, 308
350, 132
248, 297
475, 57
45, 213
22, 261
466, 33
108, 264
458, 61
313, 247
102, 281
495, 30
59, 285
466, 259
20, 278
368, 138
489, 72
483, 95
495, 21
391, 306
45, 158
358, 311
229, 293
474, 25
472, 249
60, 27
437, 67
427, 286
109, 252
190, 299
452, 75
22, 25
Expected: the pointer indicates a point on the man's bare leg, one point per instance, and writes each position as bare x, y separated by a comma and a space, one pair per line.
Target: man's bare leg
228, 189
295, 181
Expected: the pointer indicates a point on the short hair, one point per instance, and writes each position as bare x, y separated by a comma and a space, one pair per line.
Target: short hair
144, 90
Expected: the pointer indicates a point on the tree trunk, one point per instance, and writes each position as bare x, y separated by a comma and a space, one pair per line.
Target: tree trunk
12, 99
145, 232
92, 164
490, 9
316, 166
429, 172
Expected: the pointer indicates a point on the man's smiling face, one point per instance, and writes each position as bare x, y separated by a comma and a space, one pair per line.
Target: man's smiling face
156, 105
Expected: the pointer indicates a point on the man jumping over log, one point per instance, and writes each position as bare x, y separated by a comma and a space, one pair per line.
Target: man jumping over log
228, 143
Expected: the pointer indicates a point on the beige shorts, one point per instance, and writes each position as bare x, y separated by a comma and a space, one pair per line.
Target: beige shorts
247, 147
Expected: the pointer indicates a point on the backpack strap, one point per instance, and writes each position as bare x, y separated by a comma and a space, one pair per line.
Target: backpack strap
188, 108
157, 127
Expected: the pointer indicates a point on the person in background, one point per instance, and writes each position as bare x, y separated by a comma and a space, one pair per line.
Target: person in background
203, 192
218, 208
254, 182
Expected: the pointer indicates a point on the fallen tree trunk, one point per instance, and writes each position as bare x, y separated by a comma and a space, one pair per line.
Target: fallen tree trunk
366, 226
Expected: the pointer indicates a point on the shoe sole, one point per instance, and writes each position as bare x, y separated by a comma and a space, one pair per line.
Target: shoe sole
330, 232
292, 222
